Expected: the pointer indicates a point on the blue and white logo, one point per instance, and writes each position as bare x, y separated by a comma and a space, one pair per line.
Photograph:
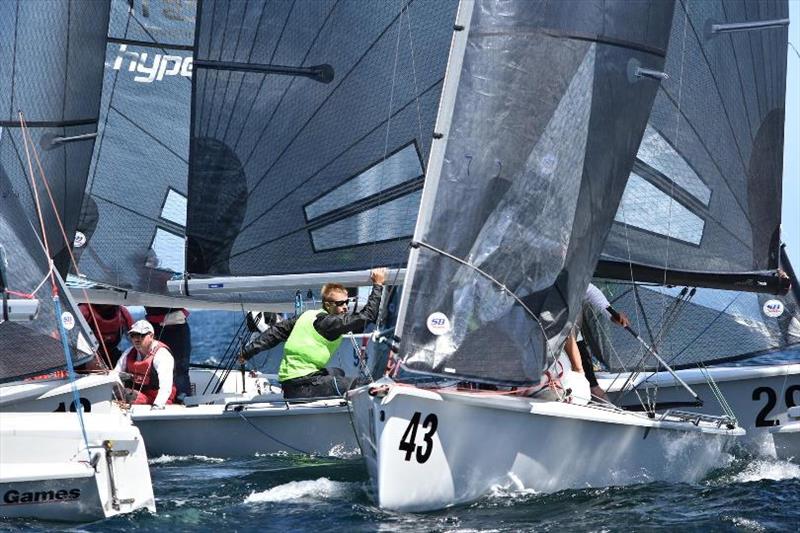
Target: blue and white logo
773, 308
438, 323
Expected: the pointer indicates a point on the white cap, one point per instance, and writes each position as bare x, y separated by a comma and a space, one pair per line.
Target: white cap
142, 327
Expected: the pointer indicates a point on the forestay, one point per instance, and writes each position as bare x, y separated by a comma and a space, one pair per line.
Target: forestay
52, 57
534, 168
311, 126
704, 196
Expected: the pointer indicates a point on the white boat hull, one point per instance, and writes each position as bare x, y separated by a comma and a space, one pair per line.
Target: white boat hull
787, 436
95, 393
757, 395
428, 450
235, 430
46, 473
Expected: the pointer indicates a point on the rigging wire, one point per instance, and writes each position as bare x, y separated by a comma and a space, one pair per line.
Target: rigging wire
58, 318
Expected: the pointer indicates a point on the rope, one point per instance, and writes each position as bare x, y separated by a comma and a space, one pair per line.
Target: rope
56, 301
279, 441
67, 242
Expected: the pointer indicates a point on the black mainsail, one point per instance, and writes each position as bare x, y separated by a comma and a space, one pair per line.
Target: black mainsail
55, 82
132, 227
551, 106
311, 126
703, 203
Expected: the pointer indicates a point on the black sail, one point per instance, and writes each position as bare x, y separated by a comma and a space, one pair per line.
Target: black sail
34, 347
132, 226
703, 203
691, 327
311, 127
547, 118
52, 66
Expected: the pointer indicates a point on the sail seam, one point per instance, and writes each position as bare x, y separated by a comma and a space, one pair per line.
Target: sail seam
249, 56
322, 104
146, 44
323, 167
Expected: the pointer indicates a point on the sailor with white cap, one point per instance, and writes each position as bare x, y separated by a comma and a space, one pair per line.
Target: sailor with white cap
150, 365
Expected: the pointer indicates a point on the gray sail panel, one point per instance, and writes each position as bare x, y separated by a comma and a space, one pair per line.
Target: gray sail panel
34, 347
690, 328
530, 182
133, 221
705, 193
292, 175
55, 82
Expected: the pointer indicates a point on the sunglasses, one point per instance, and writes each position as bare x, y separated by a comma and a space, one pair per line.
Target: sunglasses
338, 303
137, 335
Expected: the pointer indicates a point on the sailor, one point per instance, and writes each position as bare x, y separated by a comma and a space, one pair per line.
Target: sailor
149, 364
109, 323
172, 328
313, 337
579, 356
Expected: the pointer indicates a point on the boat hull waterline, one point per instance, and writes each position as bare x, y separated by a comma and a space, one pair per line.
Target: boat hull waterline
465, 445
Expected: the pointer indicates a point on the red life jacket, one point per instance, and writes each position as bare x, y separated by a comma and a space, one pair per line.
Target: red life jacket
110, 327
156, 315
145, 377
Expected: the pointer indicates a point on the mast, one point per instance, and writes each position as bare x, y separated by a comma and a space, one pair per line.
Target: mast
443, 120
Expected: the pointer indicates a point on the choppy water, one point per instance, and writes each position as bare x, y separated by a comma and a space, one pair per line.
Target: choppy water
284, 493
292, 493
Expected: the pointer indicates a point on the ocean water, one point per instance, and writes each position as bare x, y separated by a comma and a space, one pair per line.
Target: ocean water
298, 493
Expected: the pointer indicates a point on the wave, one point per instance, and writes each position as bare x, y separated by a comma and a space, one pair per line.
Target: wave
315, 489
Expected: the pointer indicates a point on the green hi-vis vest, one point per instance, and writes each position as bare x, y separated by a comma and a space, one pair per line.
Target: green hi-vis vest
305, 351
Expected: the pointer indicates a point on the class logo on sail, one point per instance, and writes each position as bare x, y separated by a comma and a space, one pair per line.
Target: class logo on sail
153, 67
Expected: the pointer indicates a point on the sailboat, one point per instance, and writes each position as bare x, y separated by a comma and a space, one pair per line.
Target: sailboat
66, 462
694, 253
62, 456
258, 104
543, 108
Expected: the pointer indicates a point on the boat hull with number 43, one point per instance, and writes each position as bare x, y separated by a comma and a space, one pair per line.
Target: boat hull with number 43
409, 433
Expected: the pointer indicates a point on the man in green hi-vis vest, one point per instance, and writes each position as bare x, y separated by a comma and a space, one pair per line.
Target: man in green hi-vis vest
313, 337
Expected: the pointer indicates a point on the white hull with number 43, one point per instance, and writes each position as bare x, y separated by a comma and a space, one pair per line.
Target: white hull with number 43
430, 449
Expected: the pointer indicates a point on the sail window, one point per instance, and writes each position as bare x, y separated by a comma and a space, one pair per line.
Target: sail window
646, 207
402, 166
174, 208
166, 252
389, 221
656, 152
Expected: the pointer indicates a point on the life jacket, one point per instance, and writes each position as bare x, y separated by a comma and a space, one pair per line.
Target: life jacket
110, 327
145, 377
306, 351
158, 315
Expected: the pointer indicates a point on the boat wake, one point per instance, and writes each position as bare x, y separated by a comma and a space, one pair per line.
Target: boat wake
767, 469
315, 489
169, 459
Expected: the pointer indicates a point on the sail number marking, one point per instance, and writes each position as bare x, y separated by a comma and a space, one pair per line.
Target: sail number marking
86, 404
772, 400
408, 442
